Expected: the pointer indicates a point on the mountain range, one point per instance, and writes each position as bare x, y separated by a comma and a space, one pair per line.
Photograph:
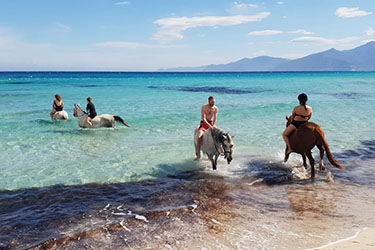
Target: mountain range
361, 58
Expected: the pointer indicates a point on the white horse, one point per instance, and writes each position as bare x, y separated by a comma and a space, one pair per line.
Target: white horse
60, 115
105, 120
215, 142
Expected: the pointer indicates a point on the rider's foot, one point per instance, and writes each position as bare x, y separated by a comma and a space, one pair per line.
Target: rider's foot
197, 158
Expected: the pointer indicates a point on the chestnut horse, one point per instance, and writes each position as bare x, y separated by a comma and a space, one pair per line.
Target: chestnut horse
305, 138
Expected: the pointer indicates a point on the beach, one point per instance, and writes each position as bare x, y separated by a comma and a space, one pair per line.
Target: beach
63, 187
363, 239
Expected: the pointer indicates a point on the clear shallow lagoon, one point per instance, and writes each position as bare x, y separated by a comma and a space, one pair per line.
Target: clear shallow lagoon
155, 154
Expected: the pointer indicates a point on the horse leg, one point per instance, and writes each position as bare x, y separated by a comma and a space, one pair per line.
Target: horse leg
216, 156
211, 158
312, 164
304, 161
321, 163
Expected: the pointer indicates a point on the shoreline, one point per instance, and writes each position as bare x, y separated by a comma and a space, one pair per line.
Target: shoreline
363, 239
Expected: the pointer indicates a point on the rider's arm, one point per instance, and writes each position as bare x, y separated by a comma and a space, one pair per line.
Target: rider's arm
309, 116
53, 105
204, 117
293, 114
215, 116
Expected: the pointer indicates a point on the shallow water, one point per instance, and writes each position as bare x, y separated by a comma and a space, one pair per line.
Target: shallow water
60, 183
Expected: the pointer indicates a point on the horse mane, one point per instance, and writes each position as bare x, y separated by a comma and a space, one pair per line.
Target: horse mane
217, 134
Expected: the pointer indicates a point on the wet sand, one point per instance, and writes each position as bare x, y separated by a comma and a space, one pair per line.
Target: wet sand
364, 239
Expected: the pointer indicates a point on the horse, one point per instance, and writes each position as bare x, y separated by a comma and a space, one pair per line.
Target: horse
105, 120
60, 115
214, 142
305, 138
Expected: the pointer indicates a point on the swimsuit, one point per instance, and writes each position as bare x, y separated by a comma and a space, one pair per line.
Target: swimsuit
59, 108
91, 110
203, 126
298, 123
303, 116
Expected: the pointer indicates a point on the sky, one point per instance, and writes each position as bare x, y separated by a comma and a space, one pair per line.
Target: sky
146, 35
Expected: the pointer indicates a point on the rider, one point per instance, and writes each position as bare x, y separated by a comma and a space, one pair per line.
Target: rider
301, 114
90, 108
57, 105
208, 110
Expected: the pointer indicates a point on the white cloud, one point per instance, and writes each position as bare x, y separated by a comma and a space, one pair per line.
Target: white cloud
322, 40
172, 28
367, 41
244, 5
265, 32
350, 12
280, 2
133, 45
122, 3
370, 32
276, 32
238, 8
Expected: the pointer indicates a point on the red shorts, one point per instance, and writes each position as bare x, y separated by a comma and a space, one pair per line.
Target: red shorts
204, 126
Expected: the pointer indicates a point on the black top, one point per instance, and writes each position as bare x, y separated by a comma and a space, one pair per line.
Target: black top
303, 116
57, 107
91, 110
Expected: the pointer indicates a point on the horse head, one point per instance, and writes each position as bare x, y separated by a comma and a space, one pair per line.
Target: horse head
78, 111
227, 144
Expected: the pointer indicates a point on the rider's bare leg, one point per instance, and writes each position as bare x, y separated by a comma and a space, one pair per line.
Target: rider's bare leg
89, 122
198, 147
286, 134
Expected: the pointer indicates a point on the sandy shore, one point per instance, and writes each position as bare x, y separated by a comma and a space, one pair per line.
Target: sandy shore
364, 239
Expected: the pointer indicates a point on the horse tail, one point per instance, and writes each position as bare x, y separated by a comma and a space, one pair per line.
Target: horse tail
326, 147
119, 119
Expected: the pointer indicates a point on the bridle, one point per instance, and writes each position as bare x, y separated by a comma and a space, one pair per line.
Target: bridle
80, 108
222, 143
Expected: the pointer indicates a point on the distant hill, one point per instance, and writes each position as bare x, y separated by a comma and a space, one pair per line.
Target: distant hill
261, 63
361, 58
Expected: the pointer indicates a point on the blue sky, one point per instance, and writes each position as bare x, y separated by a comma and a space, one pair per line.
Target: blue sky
144, 35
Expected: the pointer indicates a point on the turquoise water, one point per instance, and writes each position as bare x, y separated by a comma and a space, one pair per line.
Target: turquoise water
163, 110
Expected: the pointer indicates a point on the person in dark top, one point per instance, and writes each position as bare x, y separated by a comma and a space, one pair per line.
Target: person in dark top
57, 105
90, 108
301, 114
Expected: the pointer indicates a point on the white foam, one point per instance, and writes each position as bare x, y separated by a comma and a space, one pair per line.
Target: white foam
339, 241
124, 227
141, 217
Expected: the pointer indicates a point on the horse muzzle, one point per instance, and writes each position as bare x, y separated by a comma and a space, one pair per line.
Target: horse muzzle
228, 156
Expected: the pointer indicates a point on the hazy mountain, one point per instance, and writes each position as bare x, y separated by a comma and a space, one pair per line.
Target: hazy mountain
361, 58
261, 63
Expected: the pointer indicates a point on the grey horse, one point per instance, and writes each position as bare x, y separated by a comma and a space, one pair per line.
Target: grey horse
214, 143
105, 120
60, 115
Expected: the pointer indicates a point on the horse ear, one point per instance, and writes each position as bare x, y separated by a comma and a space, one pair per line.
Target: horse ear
287, 118
232, 136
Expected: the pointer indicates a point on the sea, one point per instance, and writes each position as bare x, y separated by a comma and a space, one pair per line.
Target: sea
64, 187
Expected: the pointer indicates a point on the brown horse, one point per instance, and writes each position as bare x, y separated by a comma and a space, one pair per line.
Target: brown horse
305, 138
